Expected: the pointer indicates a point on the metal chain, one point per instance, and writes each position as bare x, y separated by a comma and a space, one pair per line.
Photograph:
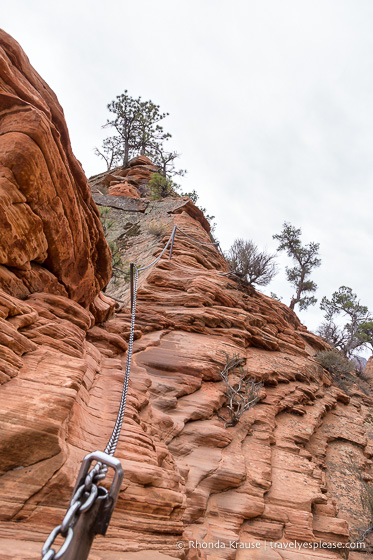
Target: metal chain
170, 240
113, 441
86, 494
82, 501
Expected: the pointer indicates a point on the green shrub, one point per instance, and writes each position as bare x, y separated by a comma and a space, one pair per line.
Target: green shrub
335, 362
107, 223
120, 268
160, 186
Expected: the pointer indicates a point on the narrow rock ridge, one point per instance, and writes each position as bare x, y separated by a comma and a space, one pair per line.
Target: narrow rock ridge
280, 474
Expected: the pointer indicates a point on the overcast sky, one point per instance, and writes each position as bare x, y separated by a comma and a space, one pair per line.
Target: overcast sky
270, 105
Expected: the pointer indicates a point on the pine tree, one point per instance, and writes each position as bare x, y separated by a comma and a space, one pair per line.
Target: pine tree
306, 259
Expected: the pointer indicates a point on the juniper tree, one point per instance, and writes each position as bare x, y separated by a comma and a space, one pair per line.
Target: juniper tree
306, 259
356, 332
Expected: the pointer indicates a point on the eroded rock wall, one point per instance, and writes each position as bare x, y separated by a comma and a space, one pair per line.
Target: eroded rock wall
51, 238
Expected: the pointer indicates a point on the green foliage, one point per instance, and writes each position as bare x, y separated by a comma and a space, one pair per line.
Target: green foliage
160, 186
192, 195
257, 267
137, 127
306, 259
121, 268
137, 131
356, 332
335, 362
342, 370
107, 223
242, 392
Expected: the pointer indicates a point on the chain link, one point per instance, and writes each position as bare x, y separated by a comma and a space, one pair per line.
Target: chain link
98, 472
113, 441
48, 552
77, 506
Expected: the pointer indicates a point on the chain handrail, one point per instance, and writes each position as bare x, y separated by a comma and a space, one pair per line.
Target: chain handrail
87, 493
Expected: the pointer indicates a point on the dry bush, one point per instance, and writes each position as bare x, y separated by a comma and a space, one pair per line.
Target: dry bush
242, 392
247, 262
343, 371
157, 227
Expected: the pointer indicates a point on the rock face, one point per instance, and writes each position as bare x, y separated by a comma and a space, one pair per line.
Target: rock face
193, 488
50, 233
130, 181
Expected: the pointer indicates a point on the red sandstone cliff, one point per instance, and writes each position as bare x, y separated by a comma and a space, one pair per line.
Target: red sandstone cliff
280, 474
50, 234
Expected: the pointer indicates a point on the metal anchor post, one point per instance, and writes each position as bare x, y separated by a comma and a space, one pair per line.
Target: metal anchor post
84, 521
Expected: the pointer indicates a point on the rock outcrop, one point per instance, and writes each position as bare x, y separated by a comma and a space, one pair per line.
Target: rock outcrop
130, 180
50, 233
193, 487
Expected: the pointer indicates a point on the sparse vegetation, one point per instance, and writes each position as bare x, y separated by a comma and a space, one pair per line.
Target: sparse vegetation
366, 496
137, 132
357, 331
107, 223
247, 262
335, 363
157, 227
306, 259
343, 371
193, 195
242, 391
160, 186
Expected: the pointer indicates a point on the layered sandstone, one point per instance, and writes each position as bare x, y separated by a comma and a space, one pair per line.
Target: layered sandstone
50, 233
280, 475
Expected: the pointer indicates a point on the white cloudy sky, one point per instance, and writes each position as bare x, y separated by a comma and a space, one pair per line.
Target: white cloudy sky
270, 105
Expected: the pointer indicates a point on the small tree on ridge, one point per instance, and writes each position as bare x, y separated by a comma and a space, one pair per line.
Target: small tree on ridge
306, 259
245, 259
357, 332
138, 131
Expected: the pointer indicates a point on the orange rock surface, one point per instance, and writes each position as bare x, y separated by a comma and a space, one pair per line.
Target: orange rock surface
50, 233
193, 487
123, 189
130, 180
